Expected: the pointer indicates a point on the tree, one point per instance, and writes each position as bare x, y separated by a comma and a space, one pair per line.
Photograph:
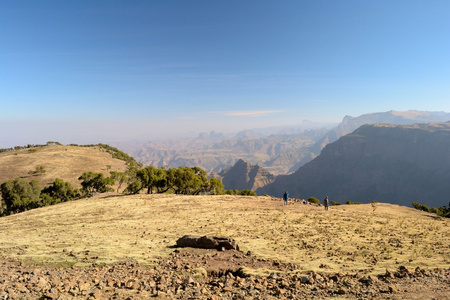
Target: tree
148, 178
187, 181
183, 180
120, 177
161, 180
95, 183
60, 191
134, 187
201, 182
20, 195
215, 187
134, 184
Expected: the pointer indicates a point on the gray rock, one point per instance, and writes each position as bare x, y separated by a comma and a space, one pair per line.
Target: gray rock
207, 242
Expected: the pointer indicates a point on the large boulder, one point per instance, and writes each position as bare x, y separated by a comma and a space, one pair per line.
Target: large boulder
207, 242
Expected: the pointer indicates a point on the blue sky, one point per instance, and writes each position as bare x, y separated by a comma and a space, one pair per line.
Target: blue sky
98, 71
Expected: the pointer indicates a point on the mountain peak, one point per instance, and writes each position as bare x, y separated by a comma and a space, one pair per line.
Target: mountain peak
245, 176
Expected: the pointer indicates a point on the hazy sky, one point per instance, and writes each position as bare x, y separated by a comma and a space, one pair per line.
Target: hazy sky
95, 71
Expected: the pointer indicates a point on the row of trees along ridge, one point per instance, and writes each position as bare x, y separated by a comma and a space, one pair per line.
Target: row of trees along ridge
20, 195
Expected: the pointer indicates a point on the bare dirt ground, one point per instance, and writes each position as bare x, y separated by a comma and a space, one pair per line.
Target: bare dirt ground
114, 246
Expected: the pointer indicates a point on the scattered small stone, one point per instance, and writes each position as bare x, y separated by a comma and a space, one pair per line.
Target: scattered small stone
174, 278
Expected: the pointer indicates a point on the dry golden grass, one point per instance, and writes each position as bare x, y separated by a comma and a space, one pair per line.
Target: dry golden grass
64, 162
349, 238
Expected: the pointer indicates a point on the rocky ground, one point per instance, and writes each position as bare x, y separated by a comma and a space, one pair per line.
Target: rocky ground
212, 274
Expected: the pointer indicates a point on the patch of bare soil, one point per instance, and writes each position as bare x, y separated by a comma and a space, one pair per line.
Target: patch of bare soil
211, 274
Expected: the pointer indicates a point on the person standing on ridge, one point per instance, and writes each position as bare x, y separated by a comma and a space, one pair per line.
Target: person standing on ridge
325, 202
286, 197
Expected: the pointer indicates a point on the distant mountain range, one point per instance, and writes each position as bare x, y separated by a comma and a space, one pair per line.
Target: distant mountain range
279, 150
399, 164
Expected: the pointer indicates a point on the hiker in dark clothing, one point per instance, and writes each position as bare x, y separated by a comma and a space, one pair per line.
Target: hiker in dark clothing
325, 202
286, 197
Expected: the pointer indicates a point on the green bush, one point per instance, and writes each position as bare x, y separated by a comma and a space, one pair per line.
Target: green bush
116, 153
59, 191
352, 203
335, 203
426, 208
313, 200
441, 211
95, 183
19, 195
423, 207
417, 205
247, 193
240, 192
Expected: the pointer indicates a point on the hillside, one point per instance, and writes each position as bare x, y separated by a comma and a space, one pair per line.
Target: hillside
58, 161
398, 164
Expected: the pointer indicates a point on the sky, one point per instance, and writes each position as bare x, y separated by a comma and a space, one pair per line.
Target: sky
99, 71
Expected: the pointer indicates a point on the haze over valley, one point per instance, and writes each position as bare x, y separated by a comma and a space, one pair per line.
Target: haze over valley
395, 157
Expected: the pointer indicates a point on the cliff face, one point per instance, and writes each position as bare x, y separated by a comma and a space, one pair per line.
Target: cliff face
398, 164
244, 176
349, 124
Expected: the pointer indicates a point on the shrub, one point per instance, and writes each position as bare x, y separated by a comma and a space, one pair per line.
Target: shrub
335, 203
417, 205
95, 183
59, 191
426, 208
441, 211
116, 153
19, 195
313, 200
423, 207
46, 200
352, 203
247, 193
240, 192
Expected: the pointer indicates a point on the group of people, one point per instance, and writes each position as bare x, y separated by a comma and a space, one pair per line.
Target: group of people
325, 201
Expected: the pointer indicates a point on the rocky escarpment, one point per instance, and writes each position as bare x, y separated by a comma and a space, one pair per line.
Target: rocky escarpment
349, 124
245, 176
399, 164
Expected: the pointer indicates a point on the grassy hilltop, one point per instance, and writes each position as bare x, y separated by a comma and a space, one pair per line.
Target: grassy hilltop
58, 161
348, 238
